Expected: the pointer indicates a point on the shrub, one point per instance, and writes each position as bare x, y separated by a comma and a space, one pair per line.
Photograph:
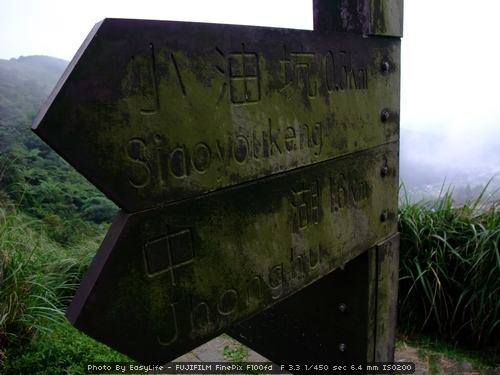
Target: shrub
37, 278
63, 350
99, 210
450, 269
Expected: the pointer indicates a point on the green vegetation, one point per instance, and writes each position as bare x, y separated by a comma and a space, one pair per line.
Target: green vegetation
33, 175
61, 350
450, 270
25, 84
51, 224
38, 278
235, 352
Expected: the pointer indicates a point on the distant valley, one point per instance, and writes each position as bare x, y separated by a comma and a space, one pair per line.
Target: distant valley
428, 161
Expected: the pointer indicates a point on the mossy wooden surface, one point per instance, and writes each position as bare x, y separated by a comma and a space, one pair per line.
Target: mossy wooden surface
347, 315
311, 326
166, 280
386, 17
387, 299
366, 17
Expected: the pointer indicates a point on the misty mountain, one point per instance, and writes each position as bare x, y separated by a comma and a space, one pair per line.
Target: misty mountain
32, 175
466, 163
25, 84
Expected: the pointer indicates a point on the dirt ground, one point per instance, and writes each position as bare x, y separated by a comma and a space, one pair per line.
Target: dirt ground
435, 363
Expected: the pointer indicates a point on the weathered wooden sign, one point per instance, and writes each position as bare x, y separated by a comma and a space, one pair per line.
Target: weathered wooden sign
153, 112
167, 280
248, 162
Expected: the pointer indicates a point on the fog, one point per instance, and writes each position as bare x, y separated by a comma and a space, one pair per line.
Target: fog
428, 160
450, 107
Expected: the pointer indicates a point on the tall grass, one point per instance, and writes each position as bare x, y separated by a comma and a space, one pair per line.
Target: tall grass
450, 269
37, 279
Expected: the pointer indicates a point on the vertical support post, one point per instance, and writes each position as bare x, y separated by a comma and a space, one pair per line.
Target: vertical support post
351, 16
387, 276
386, 18
367, 17
372, 18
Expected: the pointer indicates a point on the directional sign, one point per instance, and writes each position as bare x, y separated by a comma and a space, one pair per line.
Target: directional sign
167, 280
155, 112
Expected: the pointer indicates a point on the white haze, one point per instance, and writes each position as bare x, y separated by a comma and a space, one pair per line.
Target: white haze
449, 91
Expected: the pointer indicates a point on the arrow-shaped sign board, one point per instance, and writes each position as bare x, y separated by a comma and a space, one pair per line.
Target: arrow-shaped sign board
248, 162
152, 112
167, 280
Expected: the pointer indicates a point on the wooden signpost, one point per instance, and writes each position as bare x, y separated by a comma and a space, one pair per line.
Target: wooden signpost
249, 164
155, 112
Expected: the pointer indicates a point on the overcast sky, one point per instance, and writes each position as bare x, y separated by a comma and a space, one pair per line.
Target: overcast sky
450, 50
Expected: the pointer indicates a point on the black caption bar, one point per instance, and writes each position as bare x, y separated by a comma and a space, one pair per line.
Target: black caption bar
249, 367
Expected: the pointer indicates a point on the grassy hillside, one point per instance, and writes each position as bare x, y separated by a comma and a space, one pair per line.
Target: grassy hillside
30, 172
38, 278
51, 224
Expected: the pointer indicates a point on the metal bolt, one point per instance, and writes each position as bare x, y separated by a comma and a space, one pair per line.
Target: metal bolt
342, 347
342, 267
342, 307
384, 216
385, 66
384, 170
385, 115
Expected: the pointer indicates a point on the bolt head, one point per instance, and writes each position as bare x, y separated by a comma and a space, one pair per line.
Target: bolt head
342, 307
342, 347
384, 170
385, 115
385, 66
384, 216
